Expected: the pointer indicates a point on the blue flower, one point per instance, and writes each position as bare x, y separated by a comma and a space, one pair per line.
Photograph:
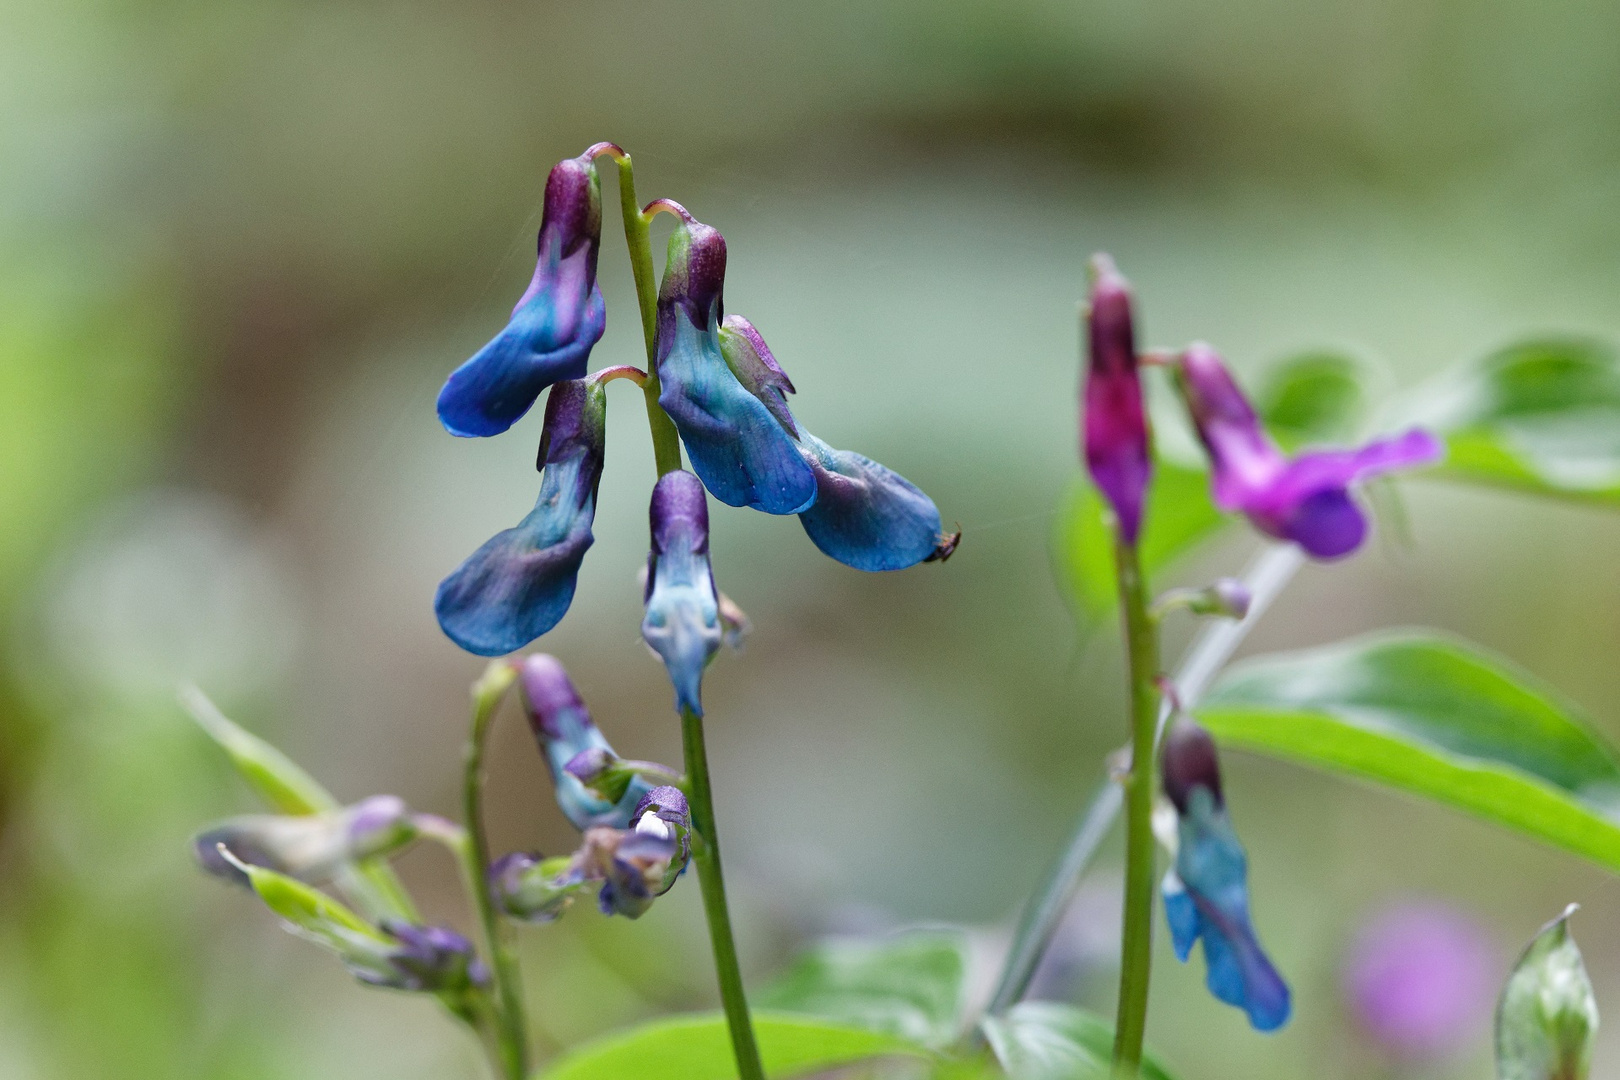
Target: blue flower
864, 515
1206, 895
741, 450
682, 624
521, 582
554, 324
563, 727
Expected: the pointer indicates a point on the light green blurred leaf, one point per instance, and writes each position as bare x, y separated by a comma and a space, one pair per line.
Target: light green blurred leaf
1041, 1040
699, 1048
1438, 718
1540, 415
1547, 1015
1308, 398
911, 985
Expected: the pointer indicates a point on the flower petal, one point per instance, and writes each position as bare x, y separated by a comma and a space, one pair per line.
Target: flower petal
564, 729
682, 622
866, 515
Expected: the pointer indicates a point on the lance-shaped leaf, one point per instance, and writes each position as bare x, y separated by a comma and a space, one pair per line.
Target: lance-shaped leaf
520, 583
1547, 1015
1438, 718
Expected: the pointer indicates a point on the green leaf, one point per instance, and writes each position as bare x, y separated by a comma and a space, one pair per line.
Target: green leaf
699, 1048
912, 985
276, 778
1547, 1015
1435, 717
1042, 1040
1541, 415
1310, 398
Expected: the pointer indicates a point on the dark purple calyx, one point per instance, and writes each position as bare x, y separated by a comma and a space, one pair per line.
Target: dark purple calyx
679, 516
549, 696
694, 279
1188, 760
573, 210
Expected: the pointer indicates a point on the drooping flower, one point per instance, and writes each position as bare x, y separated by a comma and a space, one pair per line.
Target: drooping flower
309, 847
521, 582
1305, 499
426, 959
563, 727
682, 624
1206, 894
554, 324
742, 452
865, 515
1114, 425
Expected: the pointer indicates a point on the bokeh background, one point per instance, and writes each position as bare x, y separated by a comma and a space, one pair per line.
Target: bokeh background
242, 243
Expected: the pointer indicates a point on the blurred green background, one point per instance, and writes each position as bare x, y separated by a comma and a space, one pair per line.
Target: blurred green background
241, 244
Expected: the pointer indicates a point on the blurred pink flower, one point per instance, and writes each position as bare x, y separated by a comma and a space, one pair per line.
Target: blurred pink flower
1420, 979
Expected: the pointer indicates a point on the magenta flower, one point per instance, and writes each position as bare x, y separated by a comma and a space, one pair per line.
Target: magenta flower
1305, 499
1421, 980
1114, 425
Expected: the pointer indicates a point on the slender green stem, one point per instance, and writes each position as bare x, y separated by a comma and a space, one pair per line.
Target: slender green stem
638, 236
1136, 957
706, 850
510, 1016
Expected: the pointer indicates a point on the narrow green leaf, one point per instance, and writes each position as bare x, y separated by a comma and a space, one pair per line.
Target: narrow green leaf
1438, 718
912, 985
1540, 415
1042, 1040
699, 1048
276, 778
1547, 1015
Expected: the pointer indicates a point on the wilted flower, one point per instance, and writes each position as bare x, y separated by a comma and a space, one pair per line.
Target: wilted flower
554, 324
1418, 979
740, 450
309, 847
682, 624
520, 583
1206, 895
563, 727
1114, 424
1305, 499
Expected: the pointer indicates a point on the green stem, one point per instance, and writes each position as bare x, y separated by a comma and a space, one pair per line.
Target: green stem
638, 237
706, 850
1136, 958
510, 1015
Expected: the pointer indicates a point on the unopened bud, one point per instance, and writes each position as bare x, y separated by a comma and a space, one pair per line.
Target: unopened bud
308, 847
533, 889
1547, 1015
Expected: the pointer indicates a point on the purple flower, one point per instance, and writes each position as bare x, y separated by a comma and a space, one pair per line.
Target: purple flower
865, 515
742, 452
1206, 894
554, 324
521, 582
1116, 437
1305, 499
309, 847
563, 727
682, 623
1420, 979
432, 959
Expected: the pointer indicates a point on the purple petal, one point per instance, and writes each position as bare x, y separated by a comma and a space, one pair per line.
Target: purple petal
1114, 421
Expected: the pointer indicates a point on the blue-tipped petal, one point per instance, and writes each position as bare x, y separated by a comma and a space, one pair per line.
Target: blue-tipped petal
682, 622
866, 515
564, 729
519, 584
555, 323
739, 449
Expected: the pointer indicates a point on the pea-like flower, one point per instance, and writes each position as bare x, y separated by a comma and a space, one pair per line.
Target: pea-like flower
425, 959
682, 624
1305, 499
310, 847
563, 727
1206, 894
740, 450
865, 515
554, 324
521, 582
1114, 425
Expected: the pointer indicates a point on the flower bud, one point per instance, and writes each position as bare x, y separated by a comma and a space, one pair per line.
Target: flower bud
520, 583
563, 727
555, 323
427, 959
1547, 1016
1187, 760
737, 443
633, 866
532, 889
309, 847
1116, 437
682, 622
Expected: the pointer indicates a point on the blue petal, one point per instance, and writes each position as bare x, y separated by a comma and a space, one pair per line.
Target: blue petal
575, 734
520, 583
682, 624
547, 341
1211, 867
1182, 915
866, 515
738, 449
